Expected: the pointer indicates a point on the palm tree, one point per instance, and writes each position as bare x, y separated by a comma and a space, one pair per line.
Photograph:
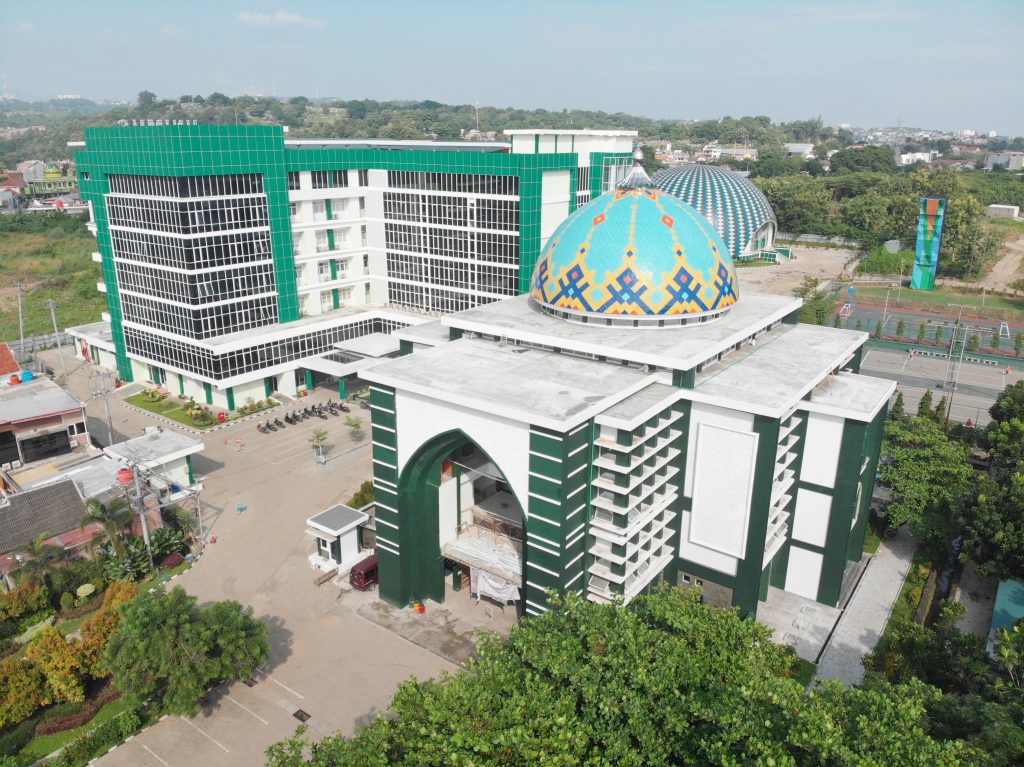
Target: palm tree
112, 517
42, 558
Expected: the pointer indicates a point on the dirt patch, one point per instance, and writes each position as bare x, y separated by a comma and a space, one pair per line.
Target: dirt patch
437, 630
823, 263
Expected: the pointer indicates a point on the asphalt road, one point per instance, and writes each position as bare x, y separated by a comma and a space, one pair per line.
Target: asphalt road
977, 386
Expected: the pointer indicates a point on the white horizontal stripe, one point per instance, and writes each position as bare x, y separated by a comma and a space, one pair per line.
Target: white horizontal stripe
578, 489
576, 471
381, 409
581, 447
388, 549
574, 541
542, 476
385, 506
382, 427
575, 578
546, 457
389, 524
387, 542
539, 607
543, 569
378, 481
382, 391
544, 498
578, 429
577, 559
541, 538
553, 524
538, 547
381, 444
541, 434
573, 533
577, 511
385, 463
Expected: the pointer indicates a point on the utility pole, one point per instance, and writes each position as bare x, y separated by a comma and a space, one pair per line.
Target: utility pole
56, 333
952, 343
140, 507
21, 321
100, 388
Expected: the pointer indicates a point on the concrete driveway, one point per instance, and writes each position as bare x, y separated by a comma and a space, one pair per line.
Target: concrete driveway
326, 659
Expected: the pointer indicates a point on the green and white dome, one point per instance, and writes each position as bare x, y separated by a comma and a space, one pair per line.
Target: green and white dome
733, 205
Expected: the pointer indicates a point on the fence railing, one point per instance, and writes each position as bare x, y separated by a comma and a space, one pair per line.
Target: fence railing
35, 344
819, 239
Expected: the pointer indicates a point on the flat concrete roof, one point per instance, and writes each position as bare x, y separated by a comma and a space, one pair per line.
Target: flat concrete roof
568, 132
99, 333
37, 398
155, 448
850, 395
94, 478
338, 519
678, 348
428, 334
770, 377
640, 406
528, 385
370, 345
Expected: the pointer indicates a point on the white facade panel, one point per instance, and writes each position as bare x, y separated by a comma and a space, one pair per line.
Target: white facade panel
700, 413
804, 572
821, 449
506, 442
447, 510
810, 524
554, 204
725, 460
703, 555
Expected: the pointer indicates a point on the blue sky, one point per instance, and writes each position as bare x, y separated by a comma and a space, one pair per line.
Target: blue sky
940, 64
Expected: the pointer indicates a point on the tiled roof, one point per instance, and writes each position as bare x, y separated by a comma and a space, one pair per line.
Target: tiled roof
52, 509
8, 364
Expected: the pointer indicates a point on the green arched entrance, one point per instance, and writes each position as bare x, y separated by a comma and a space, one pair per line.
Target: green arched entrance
417, 572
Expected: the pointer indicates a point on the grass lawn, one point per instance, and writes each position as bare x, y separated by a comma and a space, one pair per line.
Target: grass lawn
873, 535
71, 626
166, 575
39, 747
753, 263
173, 408
997, 307
50, 264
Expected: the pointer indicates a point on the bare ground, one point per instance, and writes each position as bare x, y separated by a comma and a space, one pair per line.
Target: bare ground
824, 263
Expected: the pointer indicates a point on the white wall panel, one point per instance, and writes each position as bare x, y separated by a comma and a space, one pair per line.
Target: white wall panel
810, 523
821, 449
804, 572
722, 484
447, 511
703, 555
506, 442
700, 413
554, 206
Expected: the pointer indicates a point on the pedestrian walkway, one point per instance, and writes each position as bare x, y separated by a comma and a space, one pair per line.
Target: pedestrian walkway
863, 622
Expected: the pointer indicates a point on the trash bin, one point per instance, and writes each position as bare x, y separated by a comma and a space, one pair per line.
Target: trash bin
222, 417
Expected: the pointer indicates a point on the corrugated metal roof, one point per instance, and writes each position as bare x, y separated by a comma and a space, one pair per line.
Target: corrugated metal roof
53, 509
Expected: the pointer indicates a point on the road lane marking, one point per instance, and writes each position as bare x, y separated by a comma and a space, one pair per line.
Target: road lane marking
246, 709
152, 754
203, 732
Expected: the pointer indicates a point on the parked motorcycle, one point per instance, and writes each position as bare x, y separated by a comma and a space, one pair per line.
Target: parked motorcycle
270, 426
261, 428
344, 408
277, 422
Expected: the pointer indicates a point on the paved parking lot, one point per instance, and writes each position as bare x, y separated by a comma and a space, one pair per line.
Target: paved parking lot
977, 387
326, 658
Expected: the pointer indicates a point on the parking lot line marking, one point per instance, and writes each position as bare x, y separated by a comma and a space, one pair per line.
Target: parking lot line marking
155, 756
286, 687
202, 732
246, 709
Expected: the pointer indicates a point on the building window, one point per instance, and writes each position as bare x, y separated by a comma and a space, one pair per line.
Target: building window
323, 270
293, 180
364, 177
321, 242
319, 210
294, 208
339, 178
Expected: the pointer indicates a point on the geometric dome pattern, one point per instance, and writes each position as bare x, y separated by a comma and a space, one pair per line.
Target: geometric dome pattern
635, 251
736, 207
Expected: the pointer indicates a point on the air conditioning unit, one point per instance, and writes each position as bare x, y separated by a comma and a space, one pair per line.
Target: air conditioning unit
15, 464
5, 467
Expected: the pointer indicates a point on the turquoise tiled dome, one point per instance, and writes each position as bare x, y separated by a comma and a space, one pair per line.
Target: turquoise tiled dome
635, 252
737, 208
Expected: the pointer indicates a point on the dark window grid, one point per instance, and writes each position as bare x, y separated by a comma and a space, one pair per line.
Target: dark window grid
197, 288
193, 253
202, 361
188, 217
187, 186
454, 182
200, 322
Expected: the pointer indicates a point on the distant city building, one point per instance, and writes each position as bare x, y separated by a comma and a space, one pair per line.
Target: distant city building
38, 420
909, 158
715, 151
1008, 160
237, 263
806, 151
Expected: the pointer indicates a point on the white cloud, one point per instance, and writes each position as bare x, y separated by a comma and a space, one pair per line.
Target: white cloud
278, 18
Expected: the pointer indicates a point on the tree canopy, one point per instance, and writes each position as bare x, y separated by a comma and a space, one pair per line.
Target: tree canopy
667, 681
167, 649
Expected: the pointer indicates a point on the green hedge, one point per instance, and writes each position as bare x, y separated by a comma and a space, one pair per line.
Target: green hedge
881, 261
112, 732
16, 738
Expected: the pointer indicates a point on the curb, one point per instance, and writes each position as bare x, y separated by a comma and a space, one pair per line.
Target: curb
180, 425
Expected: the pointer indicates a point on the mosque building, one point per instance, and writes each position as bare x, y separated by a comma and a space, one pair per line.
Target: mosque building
634, 418
731, 203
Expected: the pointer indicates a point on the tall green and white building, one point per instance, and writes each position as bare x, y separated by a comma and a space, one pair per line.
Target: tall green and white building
238, 262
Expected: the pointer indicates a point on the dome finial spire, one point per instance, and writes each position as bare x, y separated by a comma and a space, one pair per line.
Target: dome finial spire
637, 177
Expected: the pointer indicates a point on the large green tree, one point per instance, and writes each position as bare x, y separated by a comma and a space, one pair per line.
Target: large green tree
667, 681
169, 650
930, 479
